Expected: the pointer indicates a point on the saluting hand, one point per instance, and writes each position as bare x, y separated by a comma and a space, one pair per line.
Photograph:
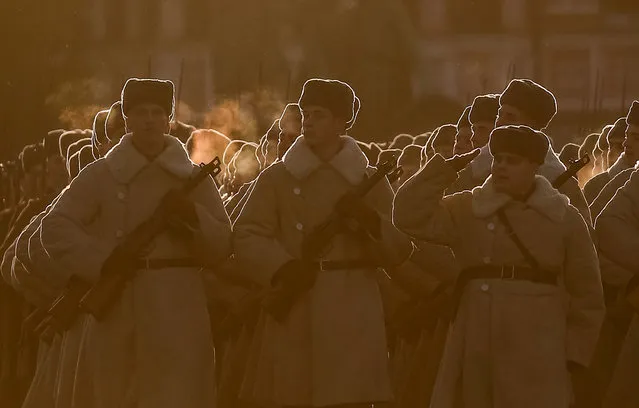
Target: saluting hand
460, 161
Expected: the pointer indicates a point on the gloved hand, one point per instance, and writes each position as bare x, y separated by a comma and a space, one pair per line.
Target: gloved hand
178, 206
460, 161
121, 258
295, 275
353, 208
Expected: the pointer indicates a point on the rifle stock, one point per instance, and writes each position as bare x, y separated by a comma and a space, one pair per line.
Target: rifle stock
571, 171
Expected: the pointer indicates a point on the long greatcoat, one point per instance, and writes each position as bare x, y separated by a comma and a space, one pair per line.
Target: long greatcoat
510, 341
332, 348
155, 346
618, 232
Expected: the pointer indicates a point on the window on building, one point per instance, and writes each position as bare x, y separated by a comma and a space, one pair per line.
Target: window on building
475, 16
573, 6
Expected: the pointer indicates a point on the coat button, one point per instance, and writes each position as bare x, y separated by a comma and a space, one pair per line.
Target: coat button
121, 195
297, 191
491, 226
484, 287
119, 233
299, 226
486, 259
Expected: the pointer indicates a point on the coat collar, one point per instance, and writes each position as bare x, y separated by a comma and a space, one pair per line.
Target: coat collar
620, 165
350, 161
125, 162
545, 200
481, 165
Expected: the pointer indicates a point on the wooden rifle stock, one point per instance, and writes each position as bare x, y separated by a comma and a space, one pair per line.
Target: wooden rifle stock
571, 171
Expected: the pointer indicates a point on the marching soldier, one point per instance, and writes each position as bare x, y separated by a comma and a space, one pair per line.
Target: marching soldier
626, 160
523, 250
154, 347
330, 349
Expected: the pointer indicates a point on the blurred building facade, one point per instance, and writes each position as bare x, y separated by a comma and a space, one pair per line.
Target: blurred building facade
414, 63
585, 51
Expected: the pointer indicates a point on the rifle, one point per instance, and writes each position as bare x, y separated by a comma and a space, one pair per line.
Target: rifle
103, 295
80, 297
279, 300
571, 171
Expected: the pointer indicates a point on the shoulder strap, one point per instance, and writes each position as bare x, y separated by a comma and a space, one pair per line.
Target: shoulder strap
511, 233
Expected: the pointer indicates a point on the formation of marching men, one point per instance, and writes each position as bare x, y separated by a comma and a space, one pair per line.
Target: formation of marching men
312, 271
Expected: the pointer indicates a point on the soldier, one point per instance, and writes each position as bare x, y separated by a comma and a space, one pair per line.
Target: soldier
483, 113
154, 347
290, 128
463, 143
330, 350
627, 159
529, 297
482, 116
617, 227
527, 103
444, 140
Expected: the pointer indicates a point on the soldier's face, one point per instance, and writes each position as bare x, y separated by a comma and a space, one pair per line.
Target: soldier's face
463, 142
614, 150
320, 126
290, 129
481, 133
513, 174
631, 143
148, 121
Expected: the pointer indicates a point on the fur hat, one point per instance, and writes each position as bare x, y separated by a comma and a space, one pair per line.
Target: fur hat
532, 99
463, 121
31, 156
51, 142
336, 96
114, 120
77, 145
618, 131
85, 156
98, 134
67, 139
519, 140
633, 114
158, 92
484, 108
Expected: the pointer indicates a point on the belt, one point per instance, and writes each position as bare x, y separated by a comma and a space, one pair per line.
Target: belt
508, 272
333, 265
164, 263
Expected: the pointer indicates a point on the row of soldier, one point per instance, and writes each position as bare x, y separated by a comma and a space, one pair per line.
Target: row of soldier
448, 305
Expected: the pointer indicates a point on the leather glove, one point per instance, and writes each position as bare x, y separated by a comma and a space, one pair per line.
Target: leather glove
574, 367
353, 208
178, 206
120, 258
295, 275
460, 161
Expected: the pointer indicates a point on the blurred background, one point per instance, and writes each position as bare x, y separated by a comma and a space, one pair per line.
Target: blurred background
415, 64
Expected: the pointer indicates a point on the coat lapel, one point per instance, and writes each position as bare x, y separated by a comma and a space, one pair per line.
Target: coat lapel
545, 200
125, 162
350, 162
